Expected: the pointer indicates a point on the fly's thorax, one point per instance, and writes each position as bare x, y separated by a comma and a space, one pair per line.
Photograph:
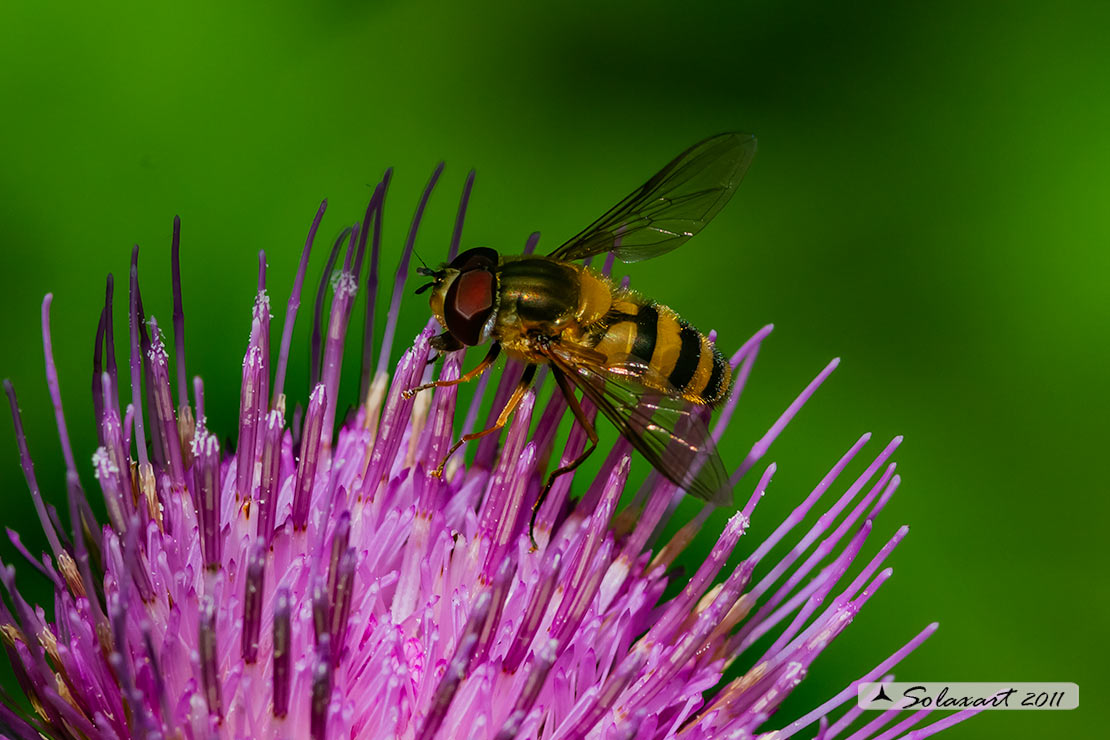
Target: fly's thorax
666, 353
537, 295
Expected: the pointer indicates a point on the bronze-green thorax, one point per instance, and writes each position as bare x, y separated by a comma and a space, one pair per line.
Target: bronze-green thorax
540, 296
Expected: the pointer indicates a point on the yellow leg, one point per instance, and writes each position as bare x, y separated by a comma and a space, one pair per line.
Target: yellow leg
502, 418
591, 433
491, 356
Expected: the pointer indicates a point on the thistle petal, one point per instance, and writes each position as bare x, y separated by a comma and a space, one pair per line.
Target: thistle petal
321, 582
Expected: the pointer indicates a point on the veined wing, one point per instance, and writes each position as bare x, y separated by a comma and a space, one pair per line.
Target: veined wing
672, 206
666, 430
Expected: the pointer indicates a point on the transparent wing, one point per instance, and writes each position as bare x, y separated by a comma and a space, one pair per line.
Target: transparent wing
672, 206
668, 431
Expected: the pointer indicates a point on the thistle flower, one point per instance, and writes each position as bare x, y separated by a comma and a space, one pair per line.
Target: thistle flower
319, 582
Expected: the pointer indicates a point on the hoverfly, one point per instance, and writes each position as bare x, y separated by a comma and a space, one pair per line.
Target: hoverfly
648, 371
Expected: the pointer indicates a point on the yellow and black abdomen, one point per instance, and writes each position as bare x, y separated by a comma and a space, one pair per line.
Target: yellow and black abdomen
680, 359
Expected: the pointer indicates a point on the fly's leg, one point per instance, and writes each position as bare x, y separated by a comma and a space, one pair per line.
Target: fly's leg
491, 356
502, 418
591, 433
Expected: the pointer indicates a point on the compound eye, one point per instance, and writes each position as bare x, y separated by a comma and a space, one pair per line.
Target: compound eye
479, 258
468, 305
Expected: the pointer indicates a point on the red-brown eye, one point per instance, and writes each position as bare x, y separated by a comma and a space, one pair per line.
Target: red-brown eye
468, 305
478, 258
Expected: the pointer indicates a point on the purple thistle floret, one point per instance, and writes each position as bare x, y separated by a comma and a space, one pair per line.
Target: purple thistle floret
320, 582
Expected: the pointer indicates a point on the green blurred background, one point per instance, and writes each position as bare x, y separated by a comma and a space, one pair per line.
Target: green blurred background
928, 203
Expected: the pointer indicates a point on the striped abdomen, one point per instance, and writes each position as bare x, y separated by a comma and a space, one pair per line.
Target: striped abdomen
678, 356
